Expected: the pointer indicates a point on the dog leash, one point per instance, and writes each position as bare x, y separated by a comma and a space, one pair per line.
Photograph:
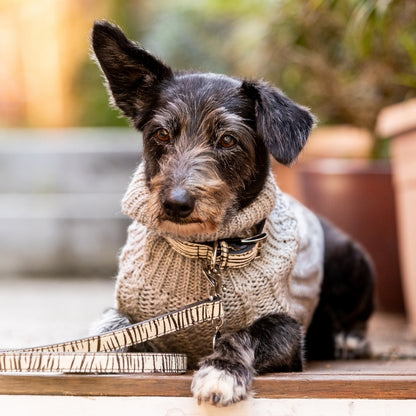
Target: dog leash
92, 354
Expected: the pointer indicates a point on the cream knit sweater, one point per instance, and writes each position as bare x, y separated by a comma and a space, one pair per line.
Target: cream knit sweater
154, 279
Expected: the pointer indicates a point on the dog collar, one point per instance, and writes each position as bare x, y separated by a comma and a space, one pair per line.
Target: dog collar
223, 253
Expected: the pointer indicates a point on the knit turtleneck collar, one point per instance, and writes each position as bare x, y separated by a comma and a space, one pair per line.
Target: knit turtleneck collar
242, 224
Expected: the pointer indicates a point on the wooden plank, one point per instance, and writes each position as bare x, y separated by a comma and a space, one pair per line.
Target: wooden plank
362, 379
369, 367
187, 406
336, 386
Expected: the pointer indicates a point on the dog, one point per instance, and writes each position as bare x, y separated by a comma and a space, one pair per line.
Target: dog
307, 290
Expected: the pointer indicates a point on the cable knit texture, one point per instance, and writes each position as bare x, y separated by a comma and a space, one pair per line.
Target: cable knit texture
154, 279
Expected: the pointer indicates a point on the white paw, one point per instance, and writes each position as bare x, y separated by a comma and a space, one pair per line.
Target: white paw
218, 387
350, 346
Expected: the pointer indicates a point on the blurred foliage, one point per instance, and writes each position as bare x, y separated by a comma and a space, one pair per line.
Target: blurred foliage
95, 109
348, 58
345, 59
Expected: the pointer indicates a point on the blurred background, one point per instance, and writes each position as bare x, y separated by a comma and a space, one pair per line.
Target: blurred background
344, 59
66, 157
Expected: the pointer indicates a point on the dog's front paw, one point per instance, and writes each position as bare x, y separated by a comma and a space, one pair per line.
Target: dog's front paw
221, 387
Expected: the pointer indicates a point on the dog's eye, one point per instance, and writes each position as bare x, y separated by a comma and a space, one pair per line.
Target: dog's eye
163, 135
227, 141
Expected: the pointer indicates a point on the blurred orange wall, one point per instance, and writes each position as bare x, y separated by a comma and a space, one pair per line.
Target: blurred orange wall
42, 45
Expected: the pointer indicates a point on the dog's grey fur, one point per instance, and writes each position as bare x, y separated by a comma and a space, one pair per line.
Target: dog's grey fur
199, 175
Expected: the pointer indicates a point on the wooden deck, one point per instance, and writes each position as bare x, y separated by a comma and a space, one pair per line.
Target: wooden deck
344, 388
374, 379
377, 387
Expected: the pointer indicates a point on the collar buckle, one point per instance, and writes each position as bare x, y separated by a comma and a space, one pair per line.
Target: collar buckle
255, 239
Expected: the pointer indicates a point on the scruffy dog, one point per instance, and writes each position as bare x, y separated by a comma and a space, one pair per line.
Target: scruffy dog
205, 182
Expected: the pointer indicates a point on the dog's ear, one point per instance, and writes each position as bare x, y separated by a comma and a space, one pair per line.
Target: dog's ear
133, 75
283, 125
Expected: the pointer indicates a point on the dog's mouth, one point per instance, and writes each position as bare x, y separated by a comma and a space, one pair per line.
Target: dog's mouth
188, 228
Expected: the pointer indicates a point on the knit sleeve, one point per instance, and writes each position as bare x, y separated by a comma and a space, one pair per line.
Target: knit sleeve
306, 279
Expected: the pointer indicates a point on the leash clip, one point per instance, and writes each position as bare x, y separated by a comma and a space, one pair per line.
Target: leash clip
212, 271
217, 334
214, 280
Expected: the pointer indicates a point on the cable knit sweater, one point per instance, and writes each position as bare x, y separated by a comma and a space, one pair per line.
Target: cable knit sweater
154, 279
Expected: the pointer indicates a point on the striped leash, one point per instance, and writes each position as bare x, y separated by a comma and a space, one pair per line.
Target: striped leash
92, 354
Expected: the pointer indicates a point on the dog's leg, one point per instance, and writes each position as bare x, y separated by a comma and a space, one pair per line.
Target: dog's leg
346, 303
111, 320
273, 343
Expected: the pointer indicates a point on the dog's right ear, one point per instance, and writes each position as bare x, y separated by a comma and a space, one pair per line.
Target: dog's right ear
133, 75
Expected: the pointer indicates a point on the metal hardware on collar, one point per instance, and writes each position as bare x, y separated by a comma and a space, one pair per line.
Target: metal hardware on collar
212, 271
217, 334
214, 279
214, 256
255, 239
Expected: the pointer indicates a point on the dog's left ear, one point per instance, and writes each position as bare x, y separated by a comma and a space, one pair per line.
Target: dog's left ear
283, 125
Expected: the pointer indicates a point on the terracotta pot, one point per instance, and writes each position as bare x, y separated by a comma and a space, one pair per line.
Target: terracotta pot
358, 197
404, 173
399, 122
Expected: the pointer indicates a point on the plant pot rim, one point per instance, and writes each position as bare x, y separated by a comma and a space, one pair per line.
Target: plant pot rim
342, 166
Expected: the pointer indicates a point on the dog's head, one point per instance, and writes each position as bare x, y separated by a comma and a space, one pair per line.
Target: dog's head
207, 137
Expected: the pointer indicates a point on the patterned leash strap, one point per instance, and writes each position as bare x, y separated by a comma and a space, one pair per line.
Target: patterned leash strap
92, 354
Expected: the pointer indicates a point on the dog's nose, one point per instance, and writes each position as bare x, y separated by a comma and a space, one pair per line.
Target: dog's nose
178, 203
